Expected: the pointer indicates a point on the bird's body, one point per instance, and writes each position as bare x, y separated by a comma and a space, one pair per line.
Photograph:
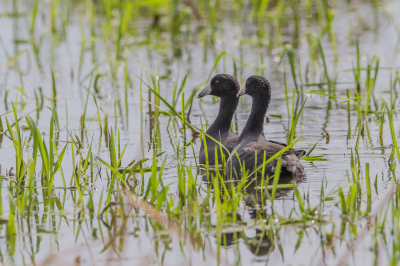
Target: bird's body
252, 154
228, 139
252, 147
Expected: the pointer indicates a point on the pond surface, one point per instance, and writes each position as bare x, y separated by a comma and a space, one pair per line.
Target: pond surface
113, 222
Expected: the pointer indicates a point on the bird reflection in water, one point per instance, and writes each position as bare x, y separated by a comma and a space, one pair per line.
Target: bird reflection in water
263, 242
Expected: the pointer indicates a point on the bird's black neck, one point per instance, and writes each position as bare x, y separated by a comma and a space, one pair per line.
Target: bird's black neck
255, 123
227, 108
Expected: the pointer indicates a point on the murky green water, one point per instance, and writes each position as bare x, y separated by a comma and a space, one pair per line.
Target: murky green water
110, 229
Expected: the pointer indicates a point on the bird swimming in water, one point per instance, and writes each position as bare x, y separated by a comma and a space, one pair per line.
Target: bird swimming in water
251, 145
226, 87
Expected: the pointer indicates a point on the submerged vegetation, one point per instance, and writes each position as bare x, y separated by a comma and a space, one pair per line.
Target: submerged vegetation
100, 132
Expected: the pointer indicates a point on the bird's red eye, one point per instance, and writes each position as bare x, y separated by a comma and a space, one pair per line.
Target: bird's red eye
216, 82
248, 82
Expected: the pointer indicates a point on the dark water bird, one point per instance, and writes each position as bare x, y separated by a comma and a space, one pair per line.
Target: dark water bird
252, 143
225, 87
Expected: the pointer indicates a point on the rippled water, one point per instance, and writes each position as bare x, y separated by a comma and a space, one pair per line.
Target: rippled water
71, 239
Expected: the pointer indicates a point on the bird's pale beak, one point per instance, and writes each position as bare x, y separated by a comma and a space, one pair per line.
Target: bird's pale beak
204, 92
241, 92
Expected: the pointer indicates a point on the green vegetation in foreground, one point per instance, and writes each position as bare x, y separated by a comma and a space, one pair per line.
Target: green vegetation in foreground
81, 174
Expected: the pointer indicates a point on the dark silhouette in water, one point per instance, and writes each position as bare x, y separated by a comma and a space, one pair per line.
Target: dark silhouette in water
263, 241
252, 143
225, 87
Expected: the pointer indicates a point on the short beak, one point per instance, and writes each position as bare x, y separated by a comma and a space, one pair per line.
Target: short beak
241, 92
204, 92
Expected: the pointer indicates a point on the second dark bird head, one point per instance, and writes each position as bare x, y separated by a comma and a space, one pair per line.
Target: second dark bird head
256, 86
